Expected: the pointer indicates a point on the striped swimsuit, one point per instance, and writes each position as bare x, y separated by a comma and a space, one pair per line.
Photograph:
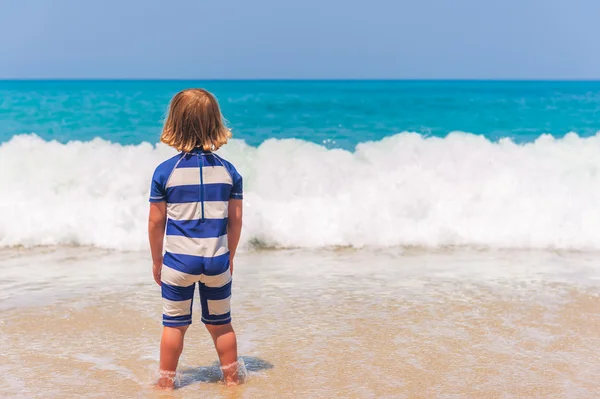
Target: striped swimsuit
197, 187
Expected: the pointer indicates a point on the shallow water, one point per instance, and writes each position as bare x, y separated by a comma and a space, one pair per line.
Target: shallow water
323, 324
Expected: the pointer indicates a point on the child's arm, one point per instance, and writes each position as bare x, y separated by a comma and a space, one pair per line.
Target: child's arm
156, 233
234, 228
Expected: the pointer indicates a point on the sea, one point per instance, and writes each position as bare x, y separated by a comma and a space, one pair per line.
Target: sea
401, 239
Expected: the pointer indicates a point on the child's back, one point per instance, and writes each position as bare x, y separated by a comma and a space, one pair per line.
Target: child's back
196, 202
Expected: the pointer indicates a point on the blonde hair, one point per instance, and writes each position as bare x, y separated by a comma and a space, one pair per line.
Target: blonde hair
194, 120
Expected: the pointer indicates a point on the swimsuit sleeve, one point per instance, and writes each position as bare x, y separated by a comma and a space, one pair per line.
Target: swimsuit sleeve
158, 187
237, 191
158, 191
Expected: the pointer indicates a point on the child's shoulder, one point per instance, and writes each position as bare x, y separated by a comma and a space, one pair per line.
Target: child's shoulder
236, 178
166, 167
228, 165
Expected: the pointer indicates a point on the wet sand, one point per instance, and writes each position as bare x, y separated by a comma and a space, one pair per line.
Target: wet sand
324, 324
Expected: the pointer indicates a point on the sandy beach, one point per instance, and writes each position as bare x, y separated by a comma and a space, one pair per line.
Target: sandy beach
457, 323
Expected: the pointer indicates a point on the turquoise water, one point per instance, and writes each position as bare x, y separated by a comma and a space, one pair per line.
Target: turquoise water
392, 188
333, 113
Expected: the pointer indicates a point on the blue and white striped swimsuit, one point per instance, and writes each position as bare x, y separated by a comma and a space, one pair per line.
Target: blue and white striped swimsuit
197, 187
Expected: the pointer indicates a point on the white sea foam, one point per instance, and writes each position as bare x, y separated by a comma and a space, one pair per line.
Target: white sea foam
403, 190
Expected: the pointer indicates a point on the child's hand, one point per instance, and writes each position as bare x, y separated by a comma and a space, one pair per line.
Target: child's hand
156, 270
231, 266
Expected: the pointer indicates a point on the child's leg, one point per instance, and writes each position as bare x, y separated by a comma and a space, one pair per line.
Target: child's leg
171, 346
178, 295
226, 345
215, 299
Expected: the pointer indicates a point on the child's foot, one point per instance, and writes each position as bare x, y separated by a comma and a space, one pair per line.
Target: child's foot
230, 374
234, 373
166, 380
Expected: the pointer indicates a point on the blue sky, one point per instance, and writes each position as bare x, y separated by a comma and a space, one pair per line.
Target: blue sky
221, 39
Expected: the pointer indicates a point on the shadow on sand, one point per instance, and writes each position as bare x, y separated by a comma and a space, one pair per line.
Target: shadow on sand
212, 373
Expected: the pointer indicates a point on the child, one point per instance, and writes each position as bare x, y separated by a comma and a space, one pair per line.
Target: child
196, 196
